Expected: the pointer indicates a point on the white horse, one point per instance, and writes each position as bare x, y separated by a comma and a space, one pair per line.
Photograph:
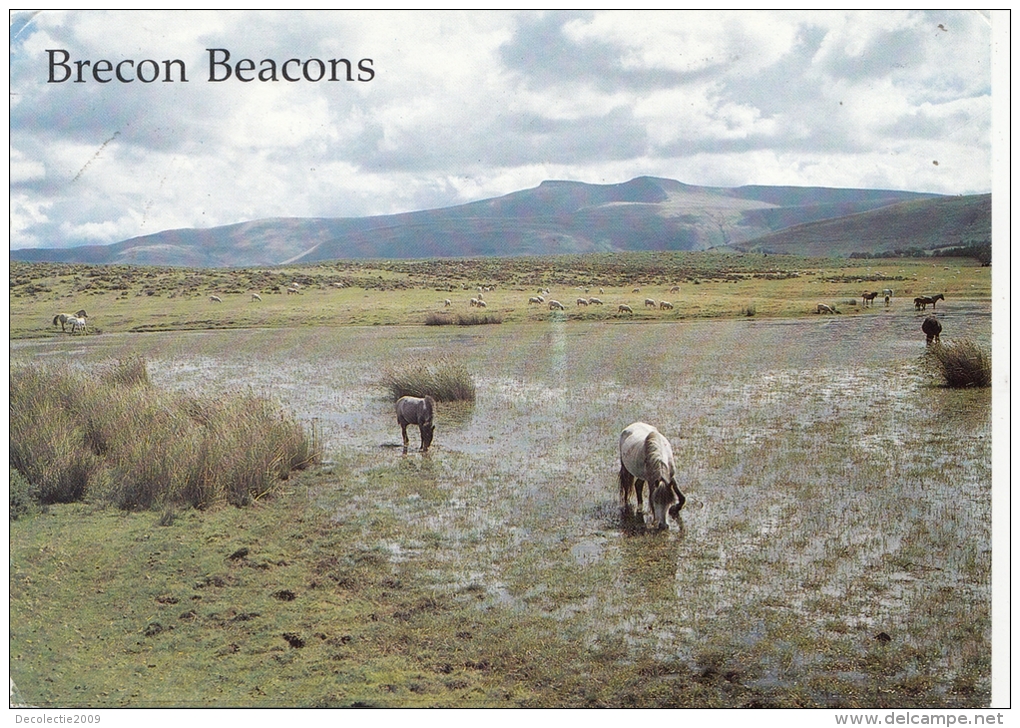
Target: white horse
78, 325
65, 318
536, 299
582, 302
556, 305
595, 301
647, 457
417, 411
256, 297
215, 299
675, 289
624, 308
447, 303
823, 308
650, 302
665, 305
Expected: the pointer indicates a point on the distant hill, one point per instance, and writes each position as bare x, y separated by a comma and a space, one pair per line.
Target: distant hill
557, 217
916, 224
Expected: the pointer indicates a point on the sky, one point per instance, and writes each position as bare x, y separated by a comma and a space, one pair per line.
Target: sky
448, 108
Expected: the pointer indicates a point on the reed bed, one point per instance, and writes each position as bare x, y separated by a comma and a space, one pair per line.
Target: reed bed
113, 437
462, 319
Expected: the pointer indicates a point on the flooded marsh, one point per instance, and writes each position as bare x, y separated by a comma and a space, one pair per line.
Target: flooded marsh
835, 546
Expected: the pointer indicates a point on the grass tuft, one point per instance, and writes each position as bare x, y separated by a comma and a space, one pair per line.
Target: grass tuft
22, 496
442, 379
960, 364
114, 438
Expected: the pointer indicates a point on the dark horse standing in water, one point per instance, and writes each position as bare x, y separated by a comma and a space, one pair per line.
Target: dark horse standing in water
417, 411
931, 328
922, 302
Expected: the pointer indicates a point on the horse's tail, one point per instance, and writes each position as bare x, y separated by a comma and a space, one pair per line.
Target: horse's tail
56, 319
626, 481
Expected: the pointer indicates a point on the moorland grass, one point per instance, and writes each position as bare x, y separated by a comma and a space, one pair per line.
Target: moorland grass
960, 364
114, 438
444, 380
366, 293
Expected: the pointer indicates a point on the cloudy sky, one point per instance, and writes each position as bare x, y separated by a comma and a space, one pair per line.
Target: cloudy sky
465, 106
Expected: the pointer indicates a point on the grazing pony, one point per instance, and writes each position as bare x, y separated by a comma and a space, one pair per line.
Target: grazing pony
215, 299
869, 298
78, 325
931, 328
256, 297
675, 289
417, 411
650, 302
595, 301
624, 308
887, 292
582, 302
447, 302
536, 299
665, 305
556, 305
647, 457
823, 308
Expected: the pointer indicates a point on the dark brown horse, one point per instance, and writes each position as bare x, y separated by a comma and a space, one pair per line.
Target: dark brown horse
921, 303
869, 298
931, 328
417, 411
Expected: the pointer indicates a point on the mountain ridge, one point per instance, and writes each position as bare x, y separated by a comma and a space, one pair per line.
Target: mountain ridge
556, 217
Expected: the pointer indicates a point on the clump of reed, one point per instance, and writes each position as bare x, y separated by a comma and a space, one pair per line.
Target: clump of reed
462, 319
112, 437
442, 379
959, 364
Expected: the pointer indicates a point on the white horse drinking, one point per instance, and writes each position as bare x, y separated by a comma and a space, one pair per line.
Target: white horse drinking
647, 457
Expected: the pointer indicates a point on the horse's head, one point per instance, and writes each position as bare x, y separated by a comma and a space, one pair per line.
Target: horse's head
666, 498
427, 433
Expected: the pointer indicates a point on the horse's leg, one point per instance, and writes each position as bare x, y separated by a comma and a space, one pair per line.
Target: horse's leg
403, 432
421, 436
639, 486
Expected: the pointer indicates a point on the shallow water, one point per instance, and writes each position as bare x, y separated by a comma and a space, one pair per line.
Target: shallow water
828, 482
